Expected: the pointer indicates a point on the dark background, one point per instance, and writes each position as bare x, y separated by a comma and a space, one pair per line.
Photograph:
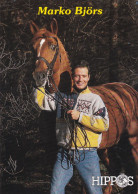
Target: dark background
108, 42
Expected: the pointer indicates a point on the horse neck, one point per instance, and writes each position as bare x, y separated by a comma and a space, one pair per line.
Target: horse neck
65, 64
64, 72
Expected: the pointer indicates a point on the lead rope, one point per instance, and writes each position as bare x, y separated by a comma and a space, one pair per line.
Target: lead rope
72, 125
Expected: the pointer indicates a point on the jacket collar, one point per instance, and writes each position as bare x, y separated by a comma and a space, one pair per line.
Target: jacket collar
85, 91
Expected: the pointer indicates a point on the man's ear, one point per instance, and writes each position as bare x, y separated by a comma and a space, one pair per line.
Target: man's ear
33, 27
54, 26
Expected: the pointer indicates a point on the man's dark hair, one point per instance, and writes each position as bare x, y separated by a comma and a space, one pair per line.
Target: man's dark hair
82, 64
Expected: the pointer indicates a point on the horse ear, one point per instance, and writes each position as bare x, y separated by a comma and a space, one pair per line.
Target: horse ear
54, 26
33, 27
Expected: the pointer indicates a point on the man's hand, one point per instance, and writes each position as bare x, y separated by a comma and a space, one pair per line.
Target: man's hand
74, 114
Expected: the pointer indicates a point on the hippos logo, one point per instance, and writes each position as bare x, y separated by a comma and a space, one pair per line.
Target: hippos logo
122, 180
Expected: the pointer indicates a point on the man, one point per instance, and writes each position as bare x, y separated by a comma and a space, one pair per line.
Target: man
78, 147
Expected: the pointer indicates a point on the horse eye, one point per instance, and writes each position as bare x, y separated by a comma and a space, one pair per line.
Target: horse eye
53, 47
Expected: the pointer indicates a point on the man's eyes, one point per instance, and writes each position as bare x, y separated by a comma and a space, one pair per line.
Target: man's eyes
80, 76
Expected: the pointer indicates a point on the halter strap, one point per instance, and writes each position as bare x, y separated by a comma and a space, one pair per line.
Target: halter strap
51, 64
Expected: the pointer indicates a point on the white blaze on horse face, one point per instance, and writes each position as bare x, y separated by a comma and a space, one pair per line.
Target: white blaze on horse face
41, 44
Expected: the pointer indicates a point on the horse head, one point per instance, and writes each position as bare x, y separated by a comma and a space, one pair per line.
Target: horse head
52, 62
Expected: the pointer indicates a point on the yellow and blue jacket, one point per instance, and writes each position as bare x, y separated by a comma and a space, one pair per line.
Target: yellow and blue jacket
93, 117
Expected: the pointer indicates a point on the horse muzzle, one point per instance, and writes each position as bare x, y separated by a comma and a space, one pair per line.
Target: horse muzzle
40, 78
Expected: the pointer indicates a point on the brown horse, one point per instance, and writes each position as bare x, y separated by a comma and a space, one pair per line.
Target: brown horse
120, 99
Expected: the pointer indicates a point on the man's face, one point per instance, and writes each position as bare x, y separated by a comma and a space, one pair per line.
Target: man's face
81, 77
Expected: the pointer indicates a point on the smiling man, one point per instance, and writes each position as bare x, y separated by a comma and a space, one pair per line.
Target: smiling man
79, 138
81, 78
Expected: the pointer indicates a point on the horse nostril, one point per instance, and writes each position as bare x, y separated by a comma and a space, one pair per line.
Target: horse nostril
38, 77
41, 76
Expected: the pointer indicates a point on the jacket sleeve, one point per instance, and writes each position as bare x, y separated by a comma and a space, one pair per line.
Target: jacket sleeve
99, 120
43, 100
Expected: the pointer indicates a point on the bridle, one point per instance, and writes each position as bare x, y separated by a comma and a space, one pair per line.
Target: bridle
51, 64
50, 73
